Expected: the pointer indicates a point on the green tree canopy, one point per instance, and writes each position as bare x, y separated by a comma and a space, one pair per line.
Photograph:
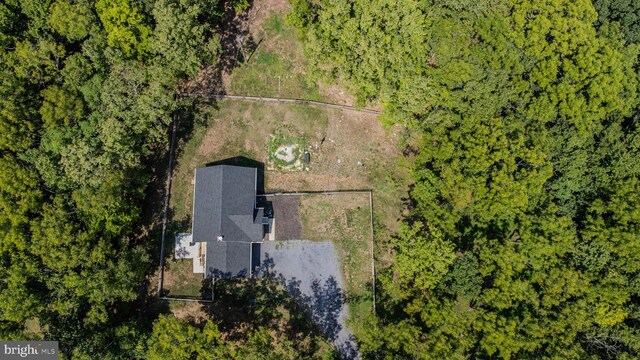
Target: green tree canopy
126, 26
71, 20
624, 12
525, 113
175, 339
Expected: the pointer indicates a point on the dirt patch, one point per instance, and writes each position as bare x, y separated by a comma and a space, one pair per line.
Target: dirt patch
337, 95
287, 224
188, 310
215, 144
286, 153
262, 10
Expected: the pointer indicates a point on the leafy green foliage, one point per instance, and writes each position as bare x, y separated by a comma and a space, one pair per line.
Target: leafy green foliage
581, 77
73, 21
464, 278
60, 107
179, 39
240, 5
432, 256
526, 115
18, 121
174, 339
125, 25
84, 102
625, 12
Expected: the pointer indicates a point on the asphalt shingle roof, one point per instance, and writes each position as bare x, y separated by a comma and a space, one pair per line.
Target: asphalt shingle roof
229, 259
224, 205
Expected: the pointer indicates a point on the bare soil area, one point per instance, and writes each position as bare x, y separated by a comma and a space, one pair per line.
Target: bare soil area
287, 224
190, 310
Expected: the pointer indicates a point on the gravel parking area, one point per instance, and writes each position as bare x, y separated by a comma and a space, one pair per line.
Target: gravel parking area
311, 273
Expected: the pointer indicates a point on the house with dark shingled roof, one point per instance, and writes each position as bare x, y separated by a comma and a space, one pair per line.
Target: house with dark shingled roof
227, 223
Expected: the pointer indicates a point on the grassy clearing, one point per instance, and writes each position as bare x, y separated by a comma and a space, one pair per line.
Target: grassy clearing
238, 129
348, 150
179, 279
276, 68
344, 219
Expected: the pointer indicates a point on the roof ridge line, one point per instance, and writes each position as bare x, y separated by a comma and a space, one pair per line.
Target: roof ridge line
220, 204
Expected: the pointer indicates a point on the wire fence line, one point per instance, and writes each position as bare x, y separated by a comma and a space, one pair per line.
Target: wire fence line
165, 206
302, 193
185, 299
321, 192
373, 260
279, 100
298, 193
342, 192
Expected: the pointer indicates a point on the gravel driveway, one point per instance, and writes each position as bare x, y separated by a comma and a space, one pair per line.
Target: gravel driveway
311, 273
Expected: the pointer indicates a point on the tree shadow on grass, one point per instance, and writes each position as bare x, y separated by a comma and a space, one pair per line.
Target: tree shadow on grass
237, 45
268, 299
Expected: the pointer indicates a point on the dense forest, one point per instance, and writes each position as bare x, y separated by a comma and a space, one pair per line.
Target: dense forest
86, 94
524, 234
523, 239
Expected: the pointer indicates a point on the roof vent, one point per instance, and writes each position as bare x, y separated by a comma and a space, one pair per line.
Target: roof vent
220, 237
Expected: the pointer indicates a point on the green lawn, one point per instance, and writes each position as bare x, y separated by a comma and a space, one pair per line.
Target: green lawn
276, 68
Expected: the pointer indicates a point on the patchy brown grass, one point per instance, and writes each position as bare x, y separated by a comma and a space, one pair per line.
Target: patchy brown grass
346, 220
263, 10
348, 150
179, 279
188, 310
